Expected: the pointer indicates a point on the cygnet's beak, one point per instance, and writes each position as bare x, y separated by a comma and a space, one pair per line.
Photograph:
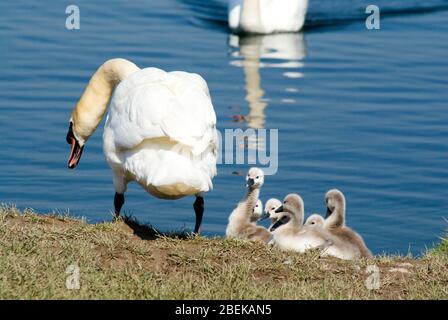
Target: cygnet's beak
279, 209
250, 182
279, 223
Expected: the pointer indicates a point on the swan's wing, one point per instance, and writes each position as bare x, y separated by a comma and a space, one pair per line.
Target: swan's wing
153, 104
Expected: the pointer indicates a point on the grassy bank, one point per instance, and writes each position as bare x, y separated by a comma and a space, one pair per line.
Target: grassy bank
123, 260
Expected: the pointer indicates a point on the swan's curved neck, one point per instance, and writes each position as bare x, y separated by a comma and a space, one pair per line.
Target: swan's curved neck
250, 19
93, 103
337, 218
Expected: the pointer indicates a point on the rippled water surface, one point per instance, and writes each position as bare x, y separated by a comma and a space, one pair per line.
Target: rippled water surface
363, 111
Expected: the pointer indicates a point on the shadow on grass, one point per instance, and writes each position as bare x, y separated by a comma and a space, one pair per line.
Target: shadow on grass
147, 232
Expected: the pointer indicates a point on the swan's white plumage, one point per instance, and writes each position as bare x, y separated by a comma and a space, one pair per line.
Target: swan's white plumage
274, 15
161, 132
234, 11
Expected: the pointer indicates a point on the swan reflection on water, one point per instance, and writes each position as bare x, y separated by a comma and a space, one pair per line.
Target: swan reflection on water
253, 52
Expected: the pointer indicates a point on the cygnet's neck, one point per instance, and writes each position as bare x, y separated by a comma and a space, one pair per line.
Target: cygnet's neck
336, 219
251, 200
245, 207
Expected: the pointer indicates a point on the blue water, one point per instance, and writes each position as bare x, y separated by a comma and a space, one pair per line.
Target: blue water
363, 111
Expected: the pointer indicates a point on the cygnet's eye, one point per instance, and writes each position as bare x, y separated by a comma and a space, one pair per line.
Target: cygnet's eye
257, 177
284, 202
272, 208
312, 222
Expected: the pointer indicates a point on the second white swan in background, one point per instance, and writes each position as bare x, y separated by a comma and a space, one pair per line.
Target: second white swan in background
267, 16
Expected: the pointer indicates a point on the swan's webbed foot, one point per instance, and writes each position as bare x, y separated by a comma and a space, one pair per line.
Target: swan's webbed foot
199, 211
118, 204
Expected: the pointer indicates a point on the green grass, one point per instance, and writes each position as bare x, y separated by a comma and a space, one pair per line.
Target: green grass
125, 260
440, 250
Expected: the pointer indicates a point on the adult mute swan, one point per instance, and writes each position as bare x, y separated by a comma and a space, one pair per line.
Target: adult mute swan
160, 130
266, 16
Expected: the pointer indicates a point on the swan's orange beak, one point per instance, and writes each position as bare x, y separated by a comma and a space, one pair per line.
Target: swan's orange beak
76, 151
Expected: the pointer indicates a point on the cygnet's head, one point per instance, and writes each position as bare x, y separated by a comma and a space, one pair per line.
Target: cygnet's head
269, 209
292, 203
315, 220
334, 200
258, 210
292, 210
255, 178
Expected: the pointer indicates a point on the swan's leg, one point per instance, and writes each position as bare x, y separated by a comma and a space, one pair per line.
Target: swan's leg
118, 203
120, 184
199, 210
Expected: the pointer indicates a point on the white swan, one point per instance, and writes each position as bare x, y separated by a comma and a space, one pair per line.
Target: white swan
266, 16
160, 130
